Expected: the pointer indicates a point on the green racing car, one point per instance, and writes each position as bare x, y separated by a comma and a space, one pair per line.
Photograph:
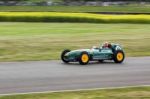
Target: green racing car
107, 51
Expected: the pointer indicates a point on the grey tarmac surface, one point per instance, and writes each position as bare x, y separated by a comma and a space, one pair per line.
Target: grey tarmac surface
38, 76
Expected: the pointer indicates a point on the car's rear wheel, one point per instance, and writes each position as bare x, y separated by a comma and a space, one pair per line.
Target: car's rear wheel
84, 58
118, 56
63, 58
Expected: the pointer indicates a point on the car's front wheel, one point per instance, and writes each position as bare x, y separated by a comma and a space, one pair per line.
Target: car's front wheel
84, 58
63, 58
118, 56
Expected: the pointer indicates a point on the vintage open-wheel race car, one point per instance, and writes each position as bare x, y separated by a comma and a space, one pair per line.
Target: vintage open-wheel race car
108, 51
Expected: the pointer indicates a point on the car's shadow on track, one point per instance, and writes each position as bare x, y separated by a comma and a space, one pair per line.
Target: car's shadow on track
92, 63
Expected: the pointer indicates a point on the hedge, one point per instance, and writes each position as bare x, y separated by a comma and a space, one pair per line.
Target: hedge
71, 17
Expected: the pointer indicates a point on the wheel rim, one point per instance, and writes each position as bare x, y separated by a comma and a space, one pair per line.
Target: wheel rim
119, 56
84, 58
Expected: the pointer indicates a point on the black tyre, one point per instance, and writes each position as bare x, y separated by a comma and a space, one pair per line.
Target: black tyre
118, 56
63, 55
84, 58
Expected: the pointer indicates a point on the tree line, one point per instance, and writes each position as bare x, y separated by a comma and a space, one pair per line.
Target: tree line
13, 2
72, 0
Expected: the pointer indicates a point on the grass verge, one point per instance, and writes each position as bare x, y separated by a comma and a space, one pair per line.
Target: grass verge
124, 9
121, 93
71, 17
45, 41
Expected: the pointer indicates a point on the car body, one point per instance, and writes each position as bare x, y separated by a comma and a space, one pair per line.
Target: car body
83, 56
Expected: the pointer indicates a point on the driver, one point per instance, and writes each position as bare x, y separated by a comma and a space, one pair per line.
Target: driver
106, 45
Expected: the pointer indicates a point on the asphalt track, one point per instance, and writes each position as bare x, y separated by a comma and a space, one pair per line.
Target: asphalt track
38, 76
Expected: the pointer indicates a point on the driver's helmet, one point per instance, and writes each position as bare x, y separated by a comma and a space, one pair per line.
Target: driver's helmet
106, 45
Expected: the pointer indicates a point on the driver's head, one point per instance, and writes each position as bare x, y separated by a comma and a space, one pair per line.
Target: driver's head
105, 44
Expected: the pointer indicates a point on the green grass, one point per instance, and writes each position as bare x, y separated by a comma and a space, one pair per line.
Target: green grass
71, 17
45, 41
120, 93
129, 9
